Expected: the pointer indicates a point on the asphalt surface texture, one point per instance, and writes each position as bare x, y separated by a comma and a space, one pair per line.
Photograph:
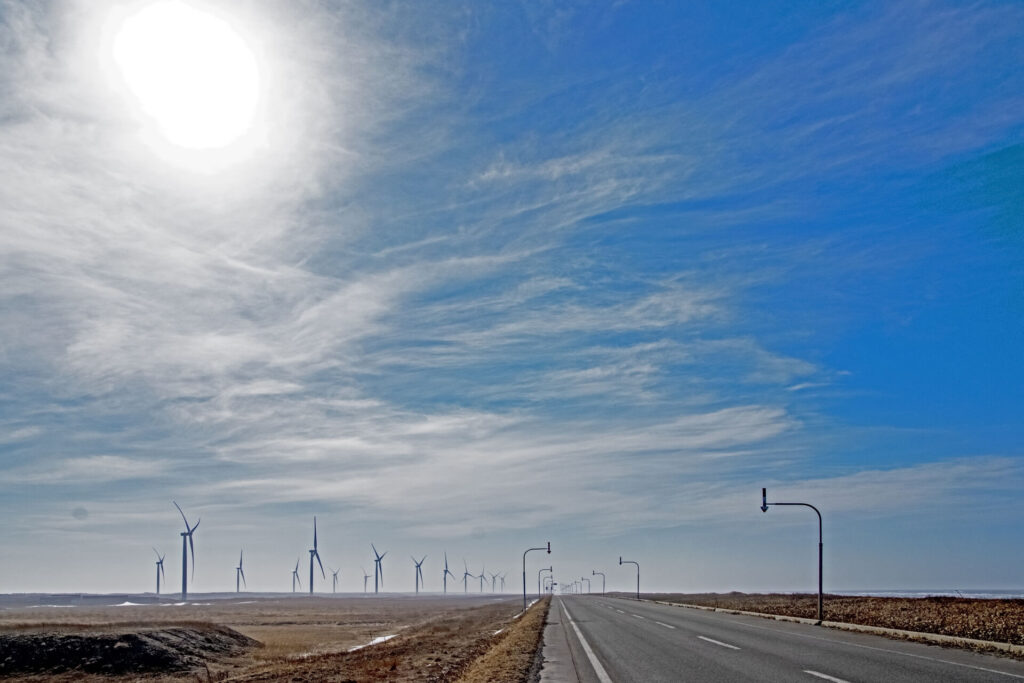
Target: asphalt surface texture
592, 639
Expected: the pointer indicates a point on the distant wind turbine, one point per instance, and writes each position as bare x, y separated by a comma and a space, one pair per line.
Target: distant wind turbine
313, 553
366, 577
378, 569
295, 575
159, 569
482, 577
446, 573
502, 579
186, 539
494, 581
465, 576
239, 574
334, 577
419, 572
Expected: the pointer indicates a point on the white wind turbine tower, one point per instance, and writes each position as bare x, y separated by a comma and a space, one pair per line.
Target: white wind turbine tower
159, 569
313, 553
465, 576
334, 577
186, 540
239, 574
419, 572
295, 575
366, 577
446, 574
378, 569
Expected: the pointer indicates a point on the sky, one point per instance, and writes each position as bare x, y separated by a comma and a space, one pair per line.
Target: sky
464, 278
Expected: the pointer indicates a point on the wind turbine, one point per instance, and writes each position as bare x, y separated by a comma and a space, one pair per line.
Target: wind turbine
187, 534
419, 572
313, 553
446, 573
502, 579
159, 570
482, 577
334, 577
465, 576
366, 577
295, 575
494, 581
378, 569
239, 574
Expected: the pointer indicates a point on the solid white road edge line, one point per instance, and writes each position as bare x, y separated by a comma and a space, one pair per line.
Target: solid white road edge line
602, 675
825, 676
718, 642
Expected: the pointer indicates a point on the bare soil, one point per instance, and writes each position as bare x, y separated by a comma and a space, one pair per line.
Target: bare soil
996, 620
268, 639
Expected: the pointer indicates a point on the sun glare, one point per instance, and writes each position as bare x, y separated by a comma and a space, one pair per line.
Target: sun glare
192, 75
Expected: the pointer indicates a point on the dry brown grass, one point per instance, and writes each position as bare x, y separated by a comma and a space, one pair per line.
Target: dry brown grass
511, 659
995, 620
307, 638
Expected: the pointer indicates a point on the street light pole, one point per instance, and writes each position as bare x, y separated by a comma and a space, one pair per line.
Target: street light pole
539, 571
594, 572
764, 508
583, 578
621, 562
548, 548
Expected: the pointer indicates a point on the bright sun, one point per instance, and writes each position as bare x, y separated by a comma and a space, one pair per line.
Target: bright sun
191, 74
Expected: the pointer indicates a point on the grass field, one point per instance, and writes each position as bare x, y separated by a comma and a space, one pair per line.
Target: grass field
322, 638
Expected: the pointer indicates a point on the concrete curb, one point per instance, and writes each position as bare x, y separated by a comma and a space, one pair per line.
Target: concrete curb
877, 630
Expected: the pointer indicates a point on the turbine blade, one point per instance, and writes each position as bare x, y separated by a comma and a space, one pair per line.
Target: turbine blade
192, 548
157, 554
317, 556
195, 527
314, 533
240, 558
182, 513
243, 576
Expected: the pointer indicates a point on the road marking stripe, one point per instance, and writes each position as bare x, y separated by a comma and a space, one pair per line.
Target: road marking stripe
602, 675
620, 611
718, 642
638, 616
836, 641
825, 676
665, 625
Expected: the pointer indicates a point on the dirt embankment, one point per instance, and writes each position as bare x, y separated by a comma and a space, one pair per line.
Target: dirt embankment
996, 620
118, 651
513, 658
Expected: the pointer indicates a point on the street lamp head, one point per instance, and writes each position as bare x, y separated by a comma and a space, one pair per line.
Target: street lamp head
620, 559
549, 547
764, 500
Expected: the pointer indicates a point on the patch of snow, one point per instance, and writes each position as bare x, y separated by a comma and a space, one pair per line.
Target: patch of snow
375, 641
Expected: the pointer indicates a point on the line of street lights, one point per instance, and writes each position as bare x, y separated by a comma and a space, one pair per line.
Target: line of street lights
571, 587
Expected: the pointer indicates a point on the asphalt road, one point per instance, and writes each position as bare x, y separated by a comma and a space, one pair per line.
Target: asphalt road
602, 640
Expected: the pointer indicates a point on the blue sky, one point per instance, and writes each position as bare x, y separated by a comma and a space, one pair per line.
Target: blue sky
494, 275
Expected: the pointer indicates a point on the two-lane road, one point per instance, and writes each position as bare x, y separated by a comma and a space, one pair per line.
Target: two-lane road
604, 640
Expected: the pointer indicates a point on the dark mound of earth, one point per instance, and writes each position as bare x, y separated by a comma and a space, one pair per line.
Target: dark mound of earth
118, 651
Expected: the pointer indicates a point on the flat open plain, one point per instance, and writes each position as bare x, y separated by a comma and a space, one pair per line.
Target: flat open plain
433, 638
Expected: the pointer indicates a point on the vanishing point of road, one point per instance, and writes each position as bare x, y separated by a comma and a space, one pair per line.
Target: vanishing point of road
592, 639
